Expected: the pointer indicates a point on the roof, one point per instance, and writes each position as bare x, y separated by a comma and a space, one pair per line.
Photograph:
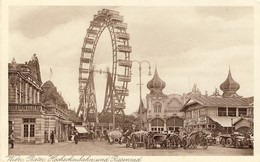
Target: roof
219, 102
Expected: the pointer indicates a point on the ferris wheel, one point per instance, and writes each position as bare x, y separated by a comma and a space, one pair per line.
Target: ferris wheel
119, 76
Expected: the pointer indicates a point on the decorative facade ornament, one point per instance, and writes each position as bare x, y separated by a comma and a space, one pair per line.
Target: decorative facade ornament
156, 85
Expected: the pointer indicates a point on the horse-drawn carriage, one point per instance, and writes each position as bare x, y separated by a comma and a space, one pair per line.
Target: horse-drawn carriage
138, 138
195, 139
237, 140
155, 140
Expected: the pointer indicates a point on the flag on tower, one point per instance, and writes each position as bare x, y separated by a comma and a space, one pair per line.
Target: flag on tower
50, 74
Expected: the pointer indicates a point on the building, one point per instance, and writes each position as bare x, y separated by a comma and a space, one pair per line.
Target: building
163, 111
35, 109
56, 114
219, 112
26, 113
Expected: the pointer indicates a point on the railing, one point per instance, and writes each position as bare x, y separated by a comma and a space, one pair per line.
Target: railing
25, 107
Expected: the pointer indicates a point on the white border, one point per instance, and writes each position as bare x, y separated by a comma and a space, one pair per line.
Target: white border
4, 60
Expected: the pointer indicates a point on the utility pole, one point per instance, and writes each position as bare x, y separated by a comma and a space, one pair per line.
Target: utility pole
140, 88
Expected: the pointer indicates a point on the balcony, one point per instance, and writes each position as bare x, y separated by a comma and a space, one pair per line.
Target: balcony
23, 107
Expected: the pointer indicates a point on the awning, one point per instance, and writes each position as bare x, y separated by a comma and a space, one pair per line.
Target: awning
81, 129
224, 121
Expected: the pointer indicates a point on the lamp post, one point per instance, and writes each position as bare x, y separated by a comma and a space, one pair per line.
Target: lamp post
140, 86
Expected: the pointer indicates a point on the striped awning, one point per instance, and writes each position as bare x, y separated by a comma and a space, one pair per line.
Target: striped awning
224, 121
81, 129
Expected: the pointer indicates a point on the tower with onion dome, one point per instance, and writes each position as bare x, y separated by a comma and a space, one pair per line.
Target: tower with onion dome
229, 86
156, 104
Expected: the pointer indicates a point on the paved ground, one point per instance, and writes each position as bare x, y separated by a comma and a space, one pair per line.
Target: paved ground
104, 148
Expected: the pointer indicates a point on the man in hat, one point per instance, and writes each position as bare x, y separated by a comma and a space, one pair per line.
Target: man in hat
12, 139
76, 138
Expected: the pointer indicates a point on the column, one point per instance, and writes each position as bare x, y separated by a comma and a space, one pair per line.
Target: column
149, 127
236, 111
38, 96
226, 111
20, 89
30, 94
26, 94
164, 125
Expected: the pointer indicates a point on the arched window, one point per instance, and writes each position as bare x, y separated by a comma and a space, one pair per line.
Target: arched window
157, 107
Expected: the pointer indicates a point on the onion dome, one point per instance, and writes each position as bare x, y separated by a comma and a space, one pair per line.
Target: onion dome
156, 85
229, 86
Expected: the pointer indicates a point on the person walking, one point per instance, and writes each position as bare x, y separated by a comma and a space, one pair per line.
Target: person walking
52, 137
12, 139
76, 138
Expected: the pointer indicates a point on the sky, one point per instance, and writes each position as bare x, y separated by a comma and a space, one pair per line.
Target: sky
188, 45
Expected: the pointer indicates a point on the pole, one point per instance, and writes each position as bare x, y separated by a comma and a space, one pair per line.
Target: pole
140, 89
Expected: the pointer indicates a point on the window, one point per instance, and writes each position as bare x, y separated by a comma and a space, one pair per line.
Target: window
157, 107
188, 114
195, 113
31, 130
29, 127
25, 130
232, 111
203, 112
242, 112
10, 127
221, 111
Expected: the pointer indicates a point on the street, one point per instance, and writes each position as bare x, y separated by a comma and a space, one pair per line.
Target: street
104, 148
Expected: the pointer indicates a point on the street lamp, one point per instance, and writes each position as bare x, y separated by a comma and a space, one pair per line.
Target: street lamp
140, 85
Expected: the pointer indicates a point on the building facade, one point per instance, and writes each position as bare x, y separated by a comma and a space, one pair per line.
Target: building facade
56, 114
26, 113
163, 111
219, 112
35, 110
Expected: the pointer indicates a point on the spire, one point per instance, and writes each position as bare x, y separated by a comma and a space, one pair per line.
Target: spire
156, 85
229, 86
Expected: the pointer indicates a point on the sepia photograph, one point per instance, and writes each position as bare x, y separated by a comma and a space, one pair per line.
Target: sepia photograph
128, 82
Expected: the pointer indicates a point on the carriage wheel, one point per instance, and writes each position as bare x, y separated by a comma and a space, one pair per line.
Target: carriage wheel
134, 143
239, 144
204, 143
223, 142
173, 144
193, 144
184, 143
228, 142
